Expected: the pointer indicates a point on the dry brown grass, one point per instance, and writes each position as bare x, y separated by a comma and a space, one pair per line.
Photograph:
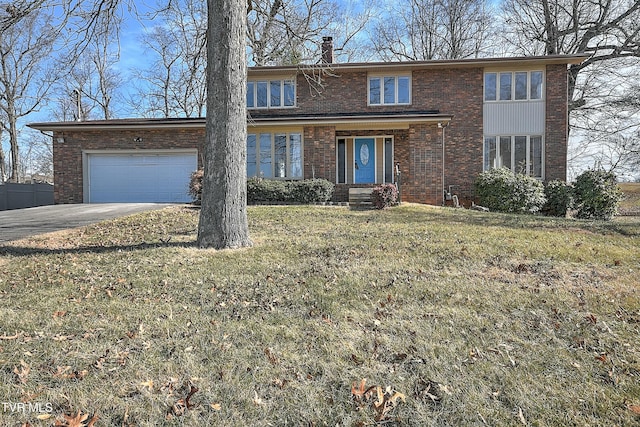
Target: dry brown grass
475, 318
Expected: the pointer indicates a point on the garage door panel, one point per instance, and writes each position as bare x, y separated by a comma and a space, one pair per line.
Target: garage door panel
140, 178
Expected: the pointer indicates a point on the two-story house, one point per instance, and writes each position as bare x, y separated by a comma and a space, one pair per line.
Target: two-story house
434, 124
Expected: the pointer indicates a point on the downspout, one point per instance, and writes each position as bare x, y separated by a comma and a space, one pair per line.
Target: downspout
444, 191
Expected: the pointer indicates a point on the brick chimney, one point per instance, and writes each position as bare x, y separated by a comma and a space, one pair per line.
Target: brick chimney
327, 50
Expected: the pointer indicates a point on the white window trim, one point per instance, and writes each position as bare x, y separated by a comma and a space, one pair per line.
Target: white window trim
381, 77
513, 153
513, 86
273, 155
268, 82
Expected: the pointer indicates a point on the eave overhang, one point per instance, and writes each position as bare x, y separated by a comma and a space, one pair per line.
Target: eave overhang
335, 68
385, 120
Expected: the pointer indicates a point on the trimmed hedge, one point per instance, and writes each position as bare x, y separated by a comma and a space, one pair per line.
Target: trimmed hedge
274, 191
596, 195
503, 191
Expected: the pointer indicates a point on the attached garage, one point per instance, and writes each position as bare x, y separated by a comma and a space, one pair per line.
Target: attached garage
147, 176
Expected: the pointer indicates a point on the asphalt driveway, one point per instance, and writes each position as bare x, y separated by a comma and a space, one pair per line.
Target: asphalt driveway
20, 223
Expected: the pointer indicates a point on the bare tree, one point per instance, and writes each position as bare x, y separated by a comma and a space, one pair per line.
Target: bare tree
174, 83
603, 90
286, 32
433, 29
25, 78
37, 157
223, 216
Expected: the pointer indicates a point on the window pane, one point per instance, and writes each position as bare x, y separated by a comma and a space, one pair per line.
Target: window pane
389, 90
251, 155
275, 93
265, 156
536, 85
250, 94
535, 156
388, 160
521, 85
262, 94
505, 152
505, 86
374, 91
490, 81
520, 154
295, 155
489, 153
289, 94
403, 90
280, 155
342, 155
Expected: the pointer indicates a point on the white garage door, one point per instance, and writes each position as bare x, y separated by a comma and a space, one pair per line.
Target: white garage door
149, 177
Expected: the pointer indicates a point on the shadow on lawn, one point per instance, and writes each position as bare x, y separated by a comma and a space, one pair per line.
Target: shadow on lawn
17, 251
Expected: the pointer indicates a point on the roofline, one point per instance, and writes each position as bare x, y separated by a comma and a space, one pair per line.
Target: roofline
200, 122
438, 63
121, 124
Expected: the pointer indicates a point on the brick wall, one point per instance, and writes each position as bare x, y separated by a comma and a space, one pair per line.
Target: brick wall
67, 156
557, 118
456, 92
419, 152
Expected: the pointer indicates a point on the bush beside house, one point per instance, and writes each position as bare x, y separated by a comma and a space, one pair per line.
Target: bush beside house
274, 191
596, 195
559, 198
503, 191
384, 196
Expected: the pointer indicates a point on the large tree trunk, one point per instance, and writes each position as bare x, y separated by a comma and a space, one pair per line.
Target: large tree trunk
223, 216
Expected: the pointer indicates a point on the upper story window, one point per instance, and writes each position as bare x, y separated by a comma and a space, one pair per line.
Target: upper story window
271, 93
389, 90
513, 86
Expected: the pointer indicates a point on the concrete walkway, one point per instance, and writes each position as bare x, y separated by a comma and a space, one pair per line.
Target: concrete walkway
20, 223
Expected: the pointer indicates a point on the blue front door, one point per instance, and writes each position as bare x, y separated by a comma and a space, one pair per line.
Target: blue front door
365, 166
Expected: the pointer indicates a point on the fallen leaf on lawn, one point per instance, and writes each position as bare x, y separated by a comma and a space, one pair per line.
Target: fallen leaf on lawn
59, 314
635, 409
256, 399
43, 416
216, 406
272, 357
521, 416
66, 373
147, 384
181, 406
10, 337
23, 372
76, 421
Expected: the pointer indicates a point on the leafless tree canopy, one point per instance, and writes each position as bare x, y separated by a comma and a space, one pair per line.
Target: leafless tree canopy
433, 29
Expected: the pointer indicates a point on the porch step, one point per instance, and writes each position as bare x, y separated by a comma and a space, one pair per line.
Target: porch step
360, 197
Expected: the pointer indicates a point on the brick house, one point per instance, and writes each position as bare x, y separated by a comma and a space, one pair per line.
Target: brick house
438, 123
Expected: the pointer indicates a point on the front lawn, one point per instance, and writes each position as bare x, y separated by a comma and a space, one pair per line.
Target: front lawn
460, 318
